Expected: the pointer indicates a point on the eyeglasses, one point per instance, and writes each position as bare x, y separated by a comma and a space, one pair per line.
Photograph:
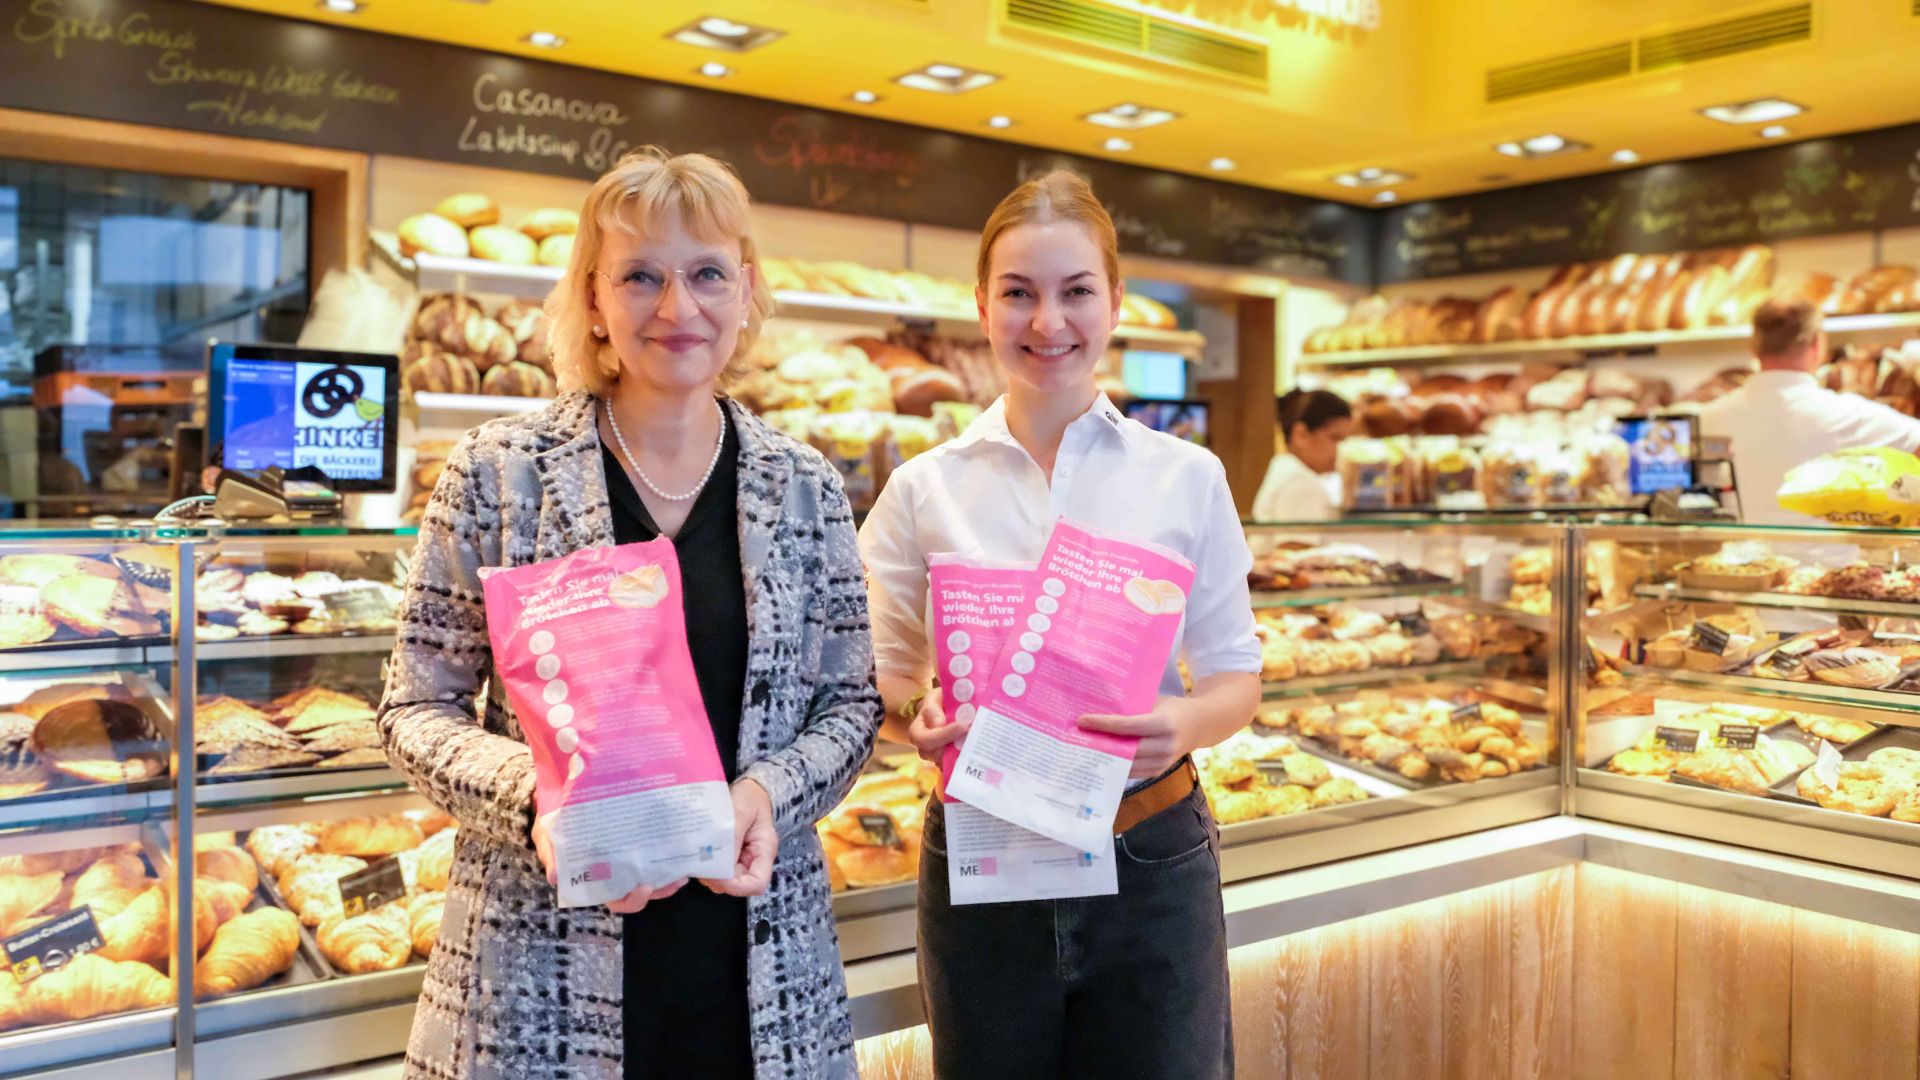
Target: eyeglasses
710, 282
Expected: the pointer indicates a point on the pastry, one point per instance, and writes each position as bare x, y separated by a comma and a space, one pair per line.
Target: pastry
24, 621
276, 847
24, 896
379, 940
423, 920
434, 370
556, 251
247, 951
865, 866
468, 209
338, 738
222, 725
316, 708
97, 606
550, 221
101, 742
21, 770
311, 885
214, 632
433, 820
263, 588
433, 861
515, 379
39, 571
1834, 729
227, 864
111, 884
1856, 667
497, 243
1337, 791
91, 985
252, 758
433, 234
370, 837
140, 932
1862, 789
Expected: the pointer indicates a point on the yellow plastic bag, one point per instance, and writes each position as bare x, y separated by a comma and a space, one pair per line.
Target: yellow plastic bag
1863, 486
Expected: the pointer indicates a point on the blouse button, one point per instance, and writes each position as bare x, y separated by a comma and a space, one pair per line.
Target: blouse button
762, 932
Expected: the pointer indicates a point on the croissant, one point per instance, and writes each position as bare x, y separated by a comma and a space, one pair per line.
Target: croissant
247, 951
210, 841
431, 820
91, 985
13, 1001
312, 885
225, 899
139, 934
277, 846
63, 862
380, 940
433, 862
111, 883
423, 917
228, 864
26, 895
370, 837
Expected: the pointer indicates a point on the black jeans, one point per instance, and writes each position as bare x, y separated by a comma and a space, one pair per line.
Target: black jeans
1122, 986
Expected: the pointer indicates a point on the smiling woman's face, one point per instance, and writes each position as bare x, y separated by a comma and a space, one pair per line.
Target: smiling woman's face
1047, 306
671, 304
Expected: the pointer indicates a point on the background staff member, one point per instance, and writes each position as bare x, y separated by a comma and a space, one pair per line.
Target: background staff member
1782, 417
1133, 984
1301, 484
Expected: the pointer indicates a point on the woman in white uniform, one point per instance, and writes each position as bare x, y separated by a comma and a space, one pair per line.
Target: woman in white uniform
1301, 484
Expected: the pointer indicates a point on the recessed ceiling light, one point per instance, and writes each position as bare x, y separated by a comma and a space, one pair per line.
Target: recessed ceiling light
1386, 197
1543, 145
946, 79
1625, 157
714, 70
1130, 117
999, 121
1757, 111
1222, 164
546, 39
714, 32
1775, 131
344, 7
1371, 176
864, 97
1118, 145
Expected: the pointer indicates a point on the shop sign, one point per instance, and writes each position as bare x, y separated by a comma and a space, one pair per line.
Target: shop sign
205, 67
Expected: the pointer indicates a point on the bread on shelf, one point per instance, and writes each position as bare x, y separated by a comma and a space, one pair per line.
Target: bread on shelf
433, 234
379, 940
247, 951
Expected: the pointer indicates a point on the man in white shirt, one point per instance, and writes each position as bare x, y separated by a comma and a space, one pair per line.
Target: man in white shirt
1782, 417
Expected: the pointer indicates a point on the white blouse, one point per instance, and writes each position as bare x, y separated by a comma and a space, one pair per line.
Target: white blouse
1294, 492
984, 497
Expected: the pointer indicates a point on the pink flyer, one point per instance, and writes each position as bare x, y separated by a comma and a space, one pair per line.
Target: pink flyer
974, 606
1091, 639
592, 651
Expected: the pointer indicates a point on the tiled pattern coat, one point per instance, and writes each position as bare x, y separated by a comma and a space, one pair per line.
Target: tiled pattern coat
519, 988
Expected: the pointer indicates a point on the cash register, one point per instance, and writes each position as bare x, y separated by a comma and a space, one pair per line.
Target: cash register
289, 431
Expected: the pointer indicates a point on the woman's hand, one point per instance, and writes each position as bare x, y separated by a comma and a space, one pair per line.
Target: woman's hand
1166, 735
931, 733
626, 905
754, 839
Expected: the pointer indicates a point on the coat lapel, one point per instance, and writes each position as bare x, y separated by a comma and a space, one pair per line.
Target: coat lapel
574, 513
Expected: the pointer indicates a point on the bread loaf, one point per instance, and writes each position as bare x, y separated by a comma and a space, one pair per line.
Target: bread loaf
440, 372
550, 221
1752, 268
556, 251
1704, 292
1567, 312
1597, 313
497, 243
1536, 323
434, 235
781, 275
469, 210
516, 379
916, 391
1499, 316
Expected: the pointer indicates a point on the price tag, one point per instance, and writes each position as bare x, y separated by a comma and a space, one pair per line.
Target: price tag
1826, 764
382, 882
1680, 740
353, 607
1415, 624
52, 944
1465, 716
879, 829
1737, 737
1710, 638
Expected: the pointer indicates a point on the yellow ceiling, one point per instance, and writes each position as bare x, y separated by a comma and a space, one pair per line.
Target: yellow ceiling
1407, 95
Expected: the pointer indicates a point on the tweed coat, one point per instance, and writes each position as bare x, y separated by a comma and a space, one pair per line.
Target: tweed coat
517, 987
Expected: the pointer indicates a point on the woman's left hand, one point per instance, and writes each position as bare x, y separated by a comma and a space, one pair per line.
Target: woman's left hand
755, 840
1165, 735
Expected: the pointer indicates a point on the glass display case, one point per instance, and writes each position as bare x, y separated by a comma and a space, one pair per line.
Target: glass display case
1758, 685
230, 718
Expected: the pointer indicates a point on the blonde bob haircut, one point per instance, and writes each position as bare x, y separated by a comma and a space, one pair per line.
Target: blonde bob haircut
644, 188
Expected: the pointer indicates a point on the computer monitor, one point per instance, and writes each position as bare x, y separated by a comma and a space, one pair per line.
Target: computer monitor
1181, 419
1662, 452
269, 405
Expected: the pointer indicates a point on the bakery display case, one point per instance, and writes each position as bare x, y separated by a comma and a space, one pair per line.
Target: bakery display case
1754, 684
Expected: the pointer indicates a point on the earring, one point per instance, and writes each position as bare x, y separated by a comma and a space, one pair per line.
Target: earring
599, 331
743, 324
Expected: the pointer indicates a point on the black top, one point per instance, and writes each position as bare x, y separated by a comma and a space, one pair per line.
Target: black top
685, 957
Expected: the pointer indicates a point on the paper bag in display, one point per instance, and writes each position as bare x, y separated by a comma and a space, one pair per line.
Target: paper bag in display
974, 606
1092, 639
592, 652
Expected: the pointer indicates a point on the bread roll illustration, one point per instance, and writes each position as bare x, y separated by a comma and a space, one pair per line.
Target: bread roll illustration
640, 588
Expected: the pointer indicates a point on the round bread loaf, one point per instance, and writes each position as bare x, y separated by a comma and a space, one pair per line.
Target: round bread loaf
1384, 418
915, 393
556, 250
469, 210
440, 372
551, 221
1450, 414
515, 379
886, 355
497, 243
433, 234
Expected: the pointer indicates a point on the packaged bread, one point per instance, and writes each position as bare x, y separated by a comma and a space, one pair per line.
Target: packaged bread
1510, 474
848, 441
1860, 486
1369, 473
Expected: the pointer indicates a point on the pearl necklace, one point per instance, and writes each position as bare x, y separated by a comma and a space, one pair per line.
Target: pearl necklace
712, 463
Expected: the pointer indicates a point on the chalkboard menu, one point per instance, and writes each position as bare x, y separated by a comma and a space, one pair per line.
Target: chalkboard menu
1848, 183
209, 68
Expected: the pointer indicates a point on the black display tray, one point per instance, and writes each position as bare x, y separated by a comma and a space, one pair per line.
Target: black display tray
1906, 738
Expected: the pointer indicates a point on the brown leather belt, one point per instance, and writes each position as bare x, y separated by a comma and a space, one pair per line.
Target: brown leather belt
1157, 796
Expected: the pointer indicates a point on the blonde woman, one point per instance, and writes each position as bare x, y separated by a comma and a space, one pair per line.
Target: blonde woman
736, 978
1133, 984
